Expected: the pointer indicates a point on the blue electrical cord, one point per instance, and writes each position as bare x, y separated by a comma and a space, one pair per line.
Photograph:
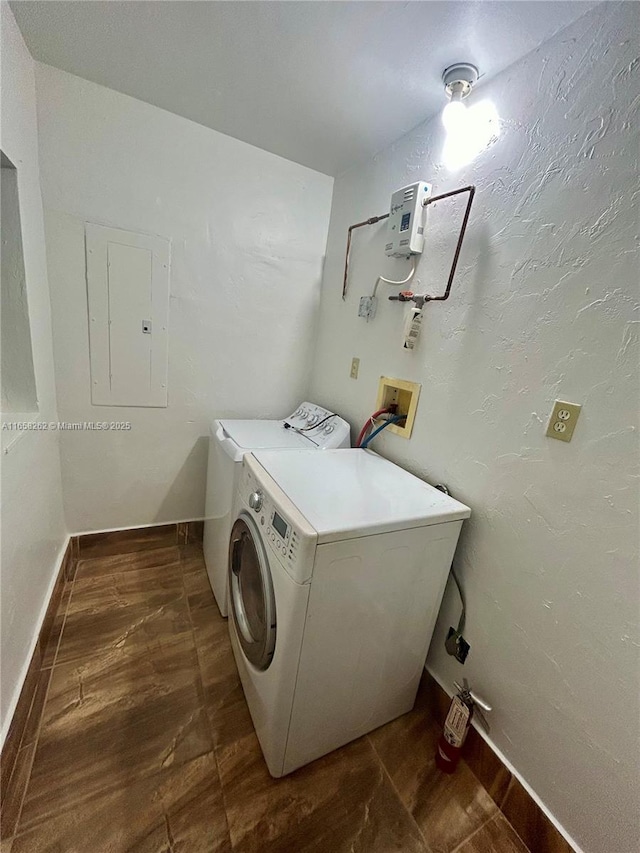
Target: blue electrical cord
394, 420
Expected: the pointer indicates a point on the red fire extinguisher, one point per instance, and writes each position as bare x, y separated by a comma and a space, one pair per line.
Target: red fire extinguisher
456, 726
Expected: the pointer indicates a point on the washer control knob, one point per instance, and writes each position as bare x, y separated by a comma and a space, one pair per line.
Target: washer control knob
329, 428
312, 419
255, 501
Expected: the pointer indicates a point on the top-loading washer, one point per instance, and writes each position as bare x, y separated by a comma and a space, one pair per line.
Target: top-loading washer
337, 566
310, 426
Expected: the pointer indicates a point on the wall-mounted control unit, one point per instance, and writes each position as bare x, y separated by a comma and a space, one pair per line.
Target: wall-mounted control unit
405, 227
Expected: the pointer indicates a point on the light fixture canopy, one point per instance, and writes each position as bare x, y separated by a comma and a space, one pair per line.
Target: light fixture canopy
459, 79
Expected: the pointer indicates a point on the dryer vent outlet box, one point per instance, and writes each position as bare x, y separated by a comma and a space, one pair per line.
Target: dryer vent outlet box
405, 227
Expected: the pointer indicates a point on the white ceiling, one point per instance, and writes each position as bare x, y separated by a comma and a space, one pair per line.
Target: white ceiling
321, 83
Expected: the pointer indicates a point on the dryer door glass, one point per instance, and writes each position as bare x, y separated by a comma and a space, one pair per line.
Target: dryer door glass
251, 593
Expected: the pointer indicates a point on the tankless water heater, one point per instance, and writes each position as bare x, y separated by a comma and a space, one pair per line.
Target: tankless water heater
405, 227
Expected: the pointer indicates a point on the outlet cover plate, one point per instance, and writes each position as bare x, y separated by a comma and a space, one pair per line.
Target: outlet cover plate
563, 420
456, 645
367, 307
355, 367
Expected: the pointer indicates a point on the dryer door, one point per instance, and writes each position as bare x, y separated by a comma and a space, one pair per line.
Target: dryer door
252, 603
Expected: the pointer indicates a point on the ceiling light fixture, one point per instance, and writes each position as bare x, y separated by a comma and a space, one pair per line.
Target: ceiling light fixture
458, 81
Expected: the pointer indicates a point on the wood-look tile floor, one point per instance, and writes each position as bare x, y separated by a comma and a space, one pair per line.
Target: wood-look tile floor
146, 744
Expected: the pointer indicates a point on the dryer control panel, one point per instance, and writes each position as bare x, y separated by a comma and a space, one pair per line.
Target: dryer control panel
321, 427
282, 528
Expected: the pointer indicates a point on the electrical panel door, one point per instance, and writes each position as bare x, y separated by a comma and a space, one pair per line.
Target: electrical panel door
128, 301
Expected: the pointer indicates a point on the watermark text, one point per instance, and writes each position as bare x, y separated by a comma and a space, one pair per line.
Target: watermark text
62, 426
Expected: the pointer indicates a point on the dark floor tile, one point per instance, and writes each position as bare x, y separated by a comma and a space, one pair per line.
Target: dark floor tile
446, 808
342, 802
123, 541
486, 766
135, 561
12, 804
178, 811
197, 583
19, 721
229, 715
10, 750
69, 562
208, 624
193, 557
496, 836
50, 648
531, 823
199, 591
195, 531
219, 674
59, 589
37, 708
198, 822
124, 758
110, 721
133, 609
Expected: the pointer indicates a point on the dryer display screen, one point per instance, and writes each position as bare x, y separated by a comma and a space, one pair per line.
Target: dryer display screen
279, 525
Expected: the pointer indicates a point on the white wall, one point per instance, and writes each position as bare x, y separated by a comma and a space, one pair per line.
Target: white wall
33, 531
248, 232
544, 307
18, 379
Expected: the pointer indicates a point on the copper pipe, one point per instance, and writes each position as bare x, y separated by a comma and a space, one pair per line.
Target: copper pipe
472, 191
371, 221
435, 198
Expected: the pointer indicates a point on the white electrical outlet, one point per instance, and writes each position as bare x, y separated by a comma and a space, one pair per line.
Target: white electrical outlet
563, 420
355, 367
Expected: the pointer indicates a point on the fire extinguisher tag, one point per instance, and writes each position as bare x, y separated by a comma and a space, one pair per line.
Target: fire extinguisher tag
456, 724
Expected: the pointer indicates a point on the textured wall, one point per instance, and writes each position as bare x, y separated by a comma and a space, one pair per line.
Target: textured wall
248, 232
545, 306
33, 531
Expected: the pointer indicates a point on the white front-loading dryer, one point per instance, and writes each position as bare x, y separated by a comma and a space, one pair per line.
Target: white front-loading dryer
337, 567
310, 426
270, 550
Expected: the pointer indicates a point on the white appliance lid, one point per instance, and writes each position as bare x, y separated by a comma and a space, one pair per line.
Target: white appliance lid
259, 434
350, 492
